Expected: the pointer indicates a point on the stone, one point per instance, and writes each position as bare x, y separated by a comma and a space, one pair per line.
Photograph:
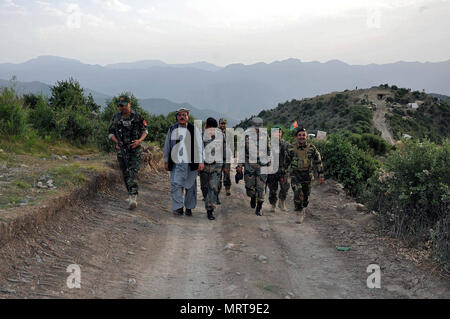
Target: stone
55, 157
64, 157
228, 246
262, 258
264, 228
41, 185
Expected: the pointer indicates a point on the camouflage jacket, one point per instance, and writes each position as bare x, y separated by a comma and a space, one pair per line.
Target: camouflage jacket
129, 128
216, 141
284, 157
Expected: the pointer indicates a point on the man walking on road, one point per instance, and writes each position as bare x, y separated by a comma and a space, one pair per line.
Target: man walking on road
225, 175
214, 162
127, 130
255, 180
183, 157
304, 157
281, 176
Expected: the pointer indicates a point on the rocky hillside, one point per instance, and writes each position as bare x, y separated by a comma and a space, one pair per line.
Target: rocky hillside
406, 112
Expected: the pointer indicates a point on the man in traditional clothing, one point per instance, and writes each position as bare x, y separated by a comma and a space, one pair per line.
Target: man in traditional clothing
183, 157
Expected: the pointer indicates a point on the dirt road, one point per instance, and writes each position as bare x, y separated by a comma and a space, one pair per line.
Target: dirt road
379, 120
150, 253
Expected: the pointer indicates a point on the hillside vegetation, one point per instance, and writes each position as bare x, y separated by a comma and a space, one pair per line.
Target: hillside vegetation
353, 111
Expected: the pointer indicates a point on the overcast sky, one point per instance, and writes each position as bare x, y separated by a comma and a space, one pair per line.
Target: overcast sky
226, 31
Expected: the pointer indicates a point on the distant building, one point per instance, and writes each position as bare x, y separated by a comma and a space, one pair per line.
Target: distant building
414, 106
321, 135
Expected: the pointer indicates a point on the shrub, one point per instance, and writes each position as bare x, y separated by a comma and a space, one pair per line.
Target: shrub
361, 113
12, 115
412, 195
346, 163
42, 117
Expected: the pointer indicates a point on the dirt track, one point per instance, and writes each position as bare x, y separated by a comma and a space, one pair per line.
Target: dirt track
150, 253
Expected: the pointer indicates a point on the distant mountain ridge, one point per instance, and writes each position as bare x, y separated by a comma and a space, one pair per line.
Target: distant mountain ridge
237, 90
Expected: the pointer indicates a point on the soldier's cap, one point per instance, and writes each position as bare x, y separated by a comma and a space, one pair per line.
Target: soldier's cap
183, 109
124, 100
257, 122
223, 121
300, 129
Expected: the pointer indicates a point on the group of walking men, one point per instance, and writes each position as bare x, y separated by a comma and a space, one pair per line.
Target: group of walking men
188, 153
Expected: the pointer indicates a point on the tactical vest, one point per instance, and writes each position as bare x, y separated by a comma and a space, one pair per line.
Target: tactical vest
128, 128
301, 161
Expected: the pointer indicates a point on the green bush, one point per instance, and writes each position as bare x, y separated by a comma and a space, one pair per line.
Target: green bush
75, 124
12, 114
361, 113
346, 163
412, 195
42, 117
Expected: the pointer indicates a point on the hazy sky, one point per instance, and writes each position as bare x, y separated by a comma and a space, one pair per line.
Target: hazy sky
226, 31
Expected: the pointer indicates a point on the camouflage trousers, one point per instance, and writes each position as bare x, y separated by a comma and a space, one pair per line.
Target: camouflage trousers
272, 182
210, 182
301, 185
225, 177
130, 175
255, 182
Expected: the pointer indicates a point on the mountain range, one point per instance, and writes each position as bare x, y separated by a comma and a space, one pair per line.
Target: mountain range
236, 90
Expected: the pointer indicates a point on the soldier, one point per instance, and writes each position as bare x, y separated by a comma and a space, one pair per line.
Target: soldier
127, 130
281, 176
225, 175
304, 156
210, 175
255, 181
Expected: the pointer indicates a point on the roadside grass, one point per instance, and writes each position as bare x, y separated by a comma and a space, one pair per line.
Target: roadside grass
41, 147
69, 175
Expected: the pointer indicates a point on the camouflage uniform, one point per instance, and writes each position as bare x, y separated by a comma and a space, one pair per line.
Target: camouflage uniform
255, 182
274, 179
210, 176
225, 177
303, 159
129, 129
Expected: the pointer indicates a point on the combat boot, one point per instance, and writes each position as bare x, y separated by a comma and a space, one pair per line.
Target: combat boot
258, 209
274, 208
132, 203
188, 212
210, 214
301, 216
253, 202
179, 211
228, 189
282, 205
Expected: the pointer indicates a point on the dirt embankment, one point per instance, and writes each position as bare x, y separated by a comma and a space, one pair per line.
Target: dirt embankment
150, 253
